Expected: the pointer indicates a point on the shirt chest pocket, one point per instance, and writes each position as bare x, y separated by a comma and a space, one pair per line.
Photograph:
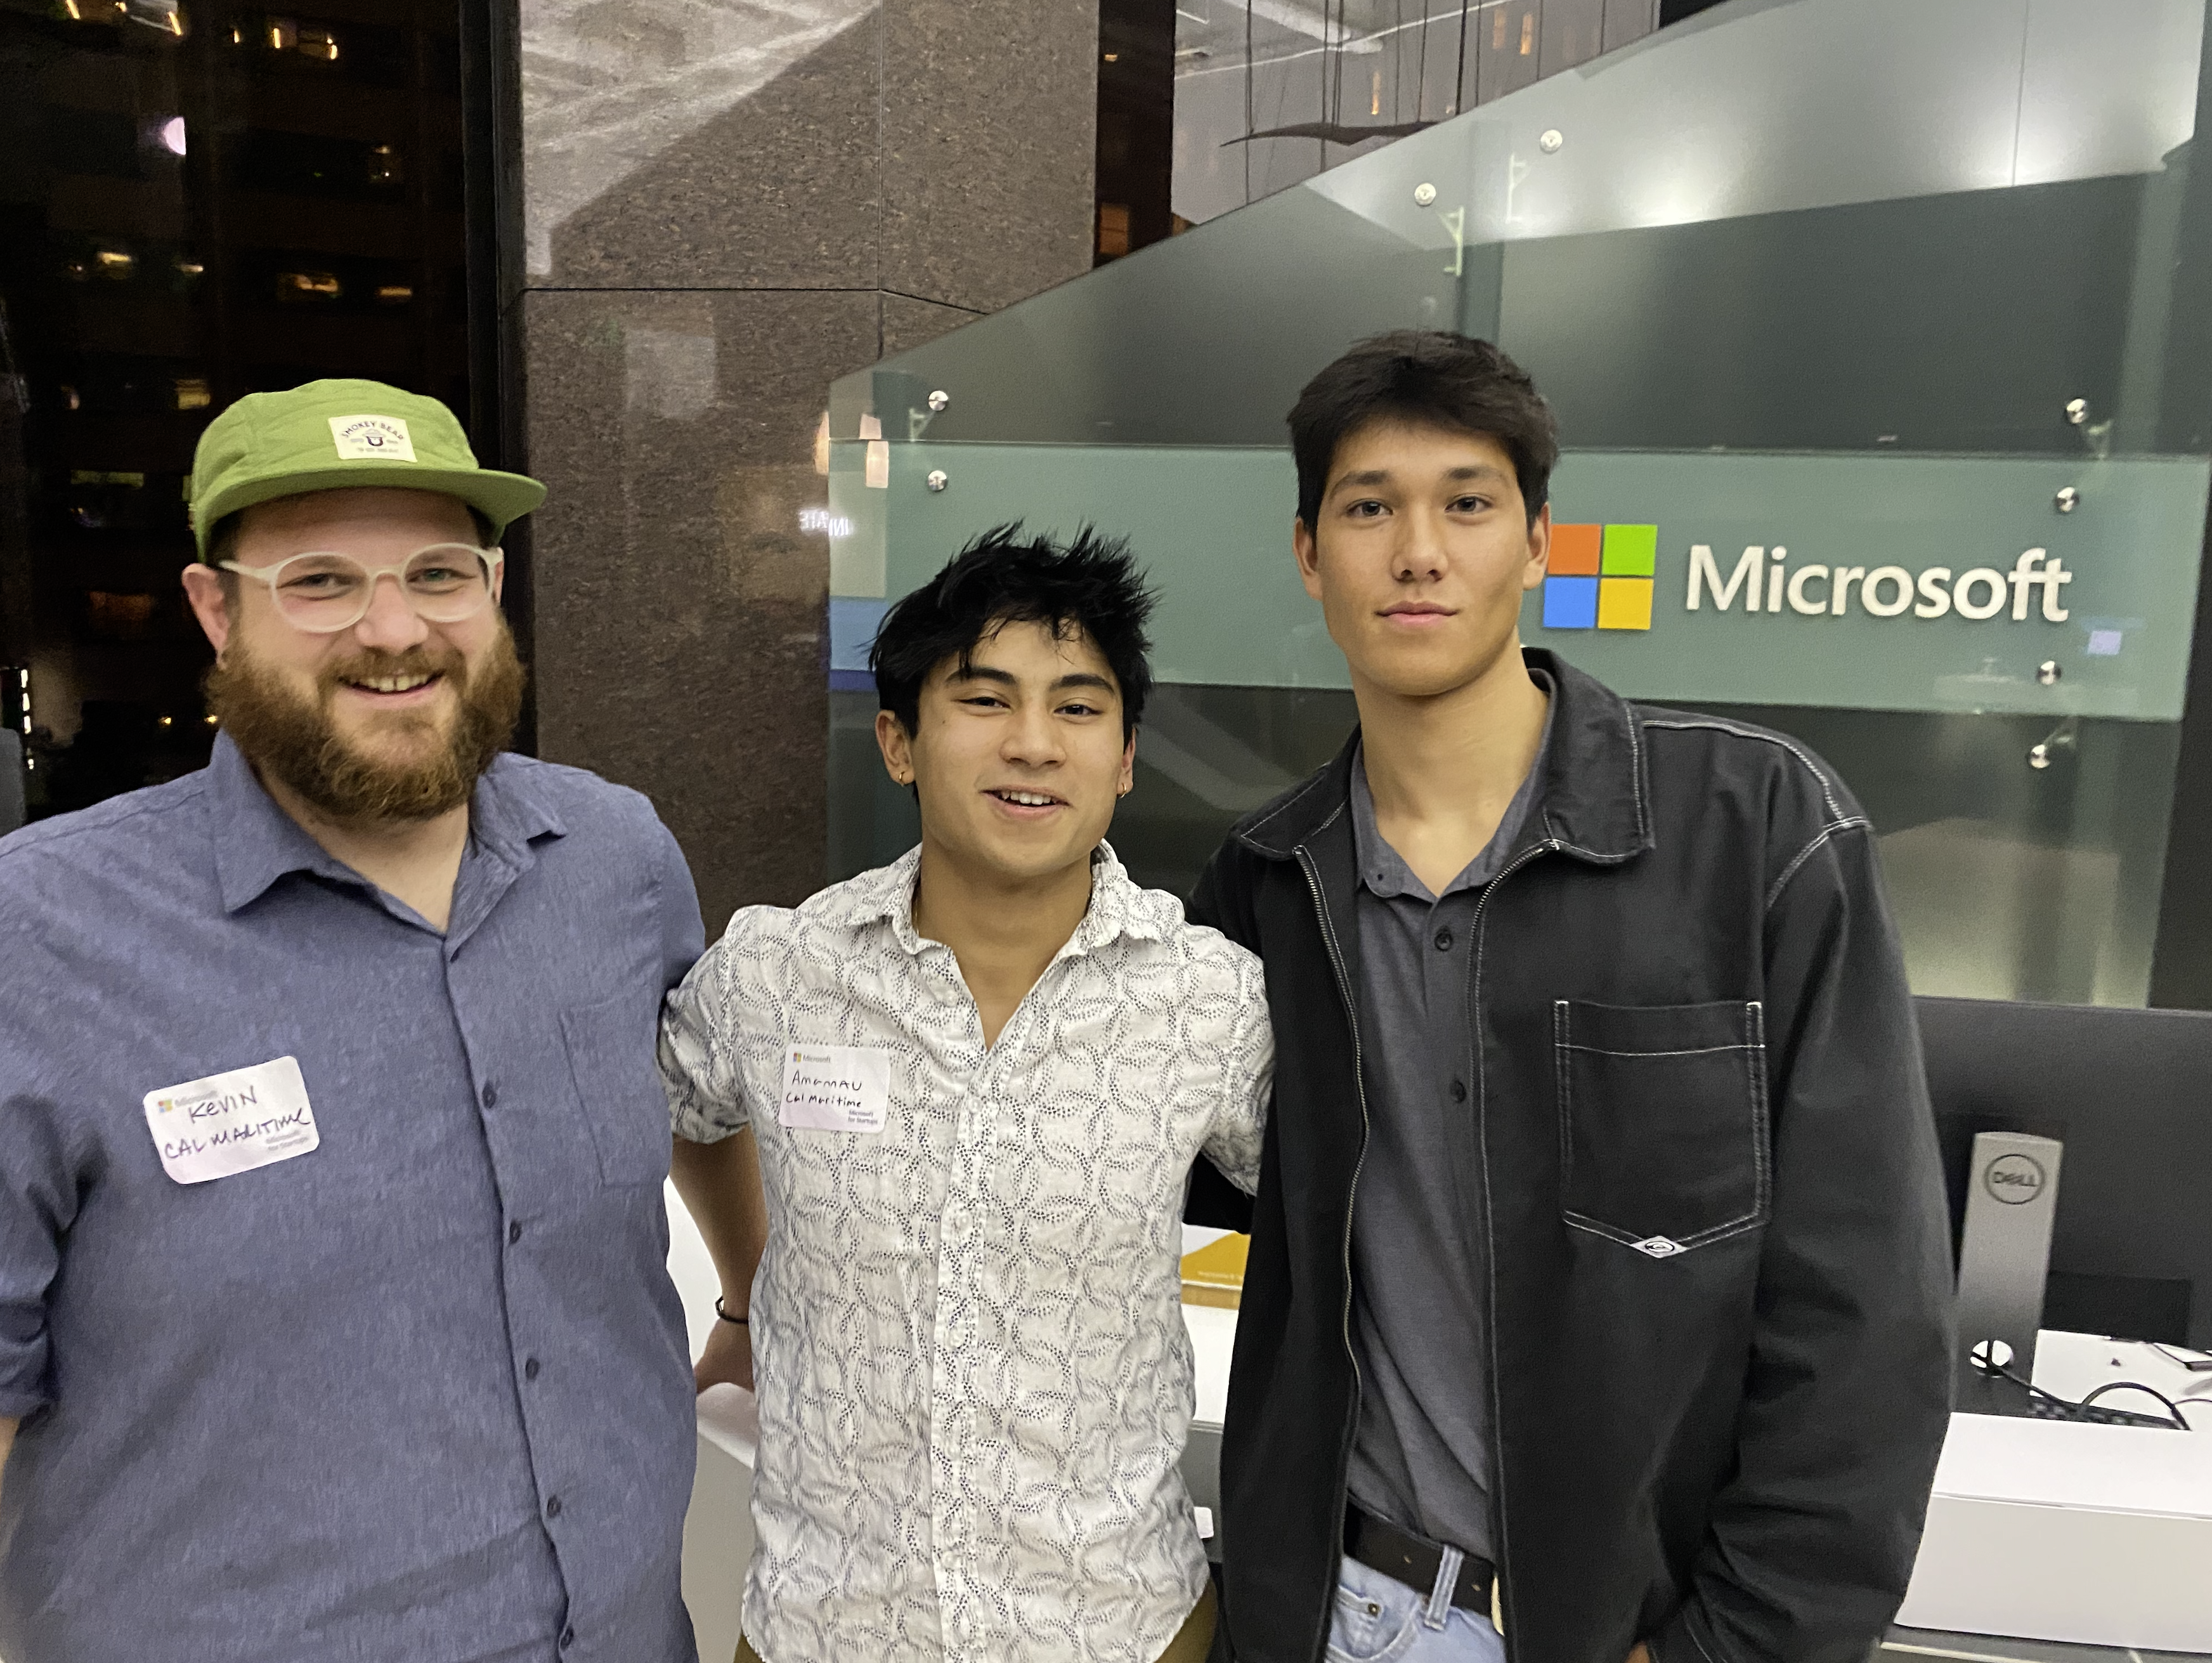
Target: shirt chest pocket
619, 1090
1662, 1122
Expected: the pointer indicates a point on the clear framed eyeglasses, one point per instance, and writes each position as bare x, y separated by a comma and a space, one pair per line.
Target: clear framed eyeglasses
323, 593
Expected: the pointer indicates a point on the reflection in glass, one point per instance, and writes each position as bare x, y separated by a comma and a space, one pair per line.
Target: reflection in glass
1269, 93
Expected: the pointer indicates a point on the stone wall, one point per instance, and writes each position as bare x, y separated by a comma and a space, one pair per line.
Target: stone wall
726, 206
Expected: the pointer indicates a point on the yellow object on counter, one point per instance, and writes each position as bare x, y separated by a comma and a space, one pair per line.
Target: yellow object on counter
1214, 1275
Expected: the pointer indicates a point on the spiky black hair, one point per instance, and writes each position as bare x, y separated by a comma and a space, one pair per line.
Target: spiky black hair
1090, 587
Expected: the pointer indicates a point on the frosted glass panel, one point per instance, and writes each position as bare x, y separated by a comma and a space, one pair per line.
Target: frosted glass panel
1874, 331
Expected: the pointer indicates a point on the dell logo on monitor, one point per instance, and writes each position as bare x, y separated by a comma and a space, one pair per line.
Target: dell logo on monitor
2013, 1179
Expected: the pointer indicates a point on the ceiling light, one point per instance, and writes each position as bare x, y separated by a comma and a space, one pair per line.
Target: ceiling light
173, 135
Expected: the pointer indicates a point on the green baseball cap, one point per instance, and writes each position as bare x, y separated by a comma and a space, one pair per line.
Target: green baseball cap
331, 435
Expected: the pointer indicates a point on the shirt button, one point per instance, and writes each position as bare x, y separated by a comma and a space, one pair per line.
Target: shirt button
1459, 1091
1444, 941
490, 1094
513, 1234
553, 1507
529, 1369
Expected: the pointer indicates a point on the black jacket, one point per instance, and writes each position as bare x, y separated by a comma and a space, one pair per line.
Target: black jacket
1699, 1140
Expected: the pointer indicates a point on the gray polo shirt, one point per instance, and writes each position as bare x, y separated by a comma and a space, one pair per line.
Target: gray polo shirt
418, 1392
1421, 1458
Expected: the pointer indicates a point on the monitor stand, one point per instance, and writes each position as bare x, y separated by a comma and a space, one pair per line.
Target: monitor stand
2004, 1255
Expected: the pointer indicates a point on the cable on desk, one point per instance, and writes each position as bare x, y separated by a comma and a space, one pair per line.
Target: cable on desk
2172, 1408
2070, 1409
2187, 1356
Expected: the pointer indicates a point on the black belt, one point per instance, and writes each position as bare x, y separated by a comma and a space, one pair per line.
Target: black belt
1415, 1562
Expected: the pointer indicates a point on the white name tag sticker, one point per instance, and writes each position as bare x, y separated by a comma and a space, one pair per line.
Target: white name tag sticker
835, 1088
232, 1123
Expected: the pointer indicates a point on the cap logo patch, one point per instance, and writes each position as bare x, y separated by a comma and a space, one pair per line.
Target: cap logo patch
372, 438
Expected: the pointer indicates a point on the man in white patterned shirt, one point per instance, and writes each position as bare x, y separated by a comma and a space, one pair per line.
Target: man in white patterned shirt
973, 1083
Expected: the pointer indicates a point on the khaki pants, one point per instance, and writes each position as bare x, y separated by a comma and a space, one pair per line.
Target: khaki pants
1192, 1642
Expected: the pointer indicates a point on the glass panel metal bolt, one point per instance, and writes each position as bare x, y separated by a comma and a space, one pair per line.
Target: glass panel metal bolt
937, 481
2048, 672
2067, 500
2045, 752
940, 398
1423, 194
1550, 141
2077, 410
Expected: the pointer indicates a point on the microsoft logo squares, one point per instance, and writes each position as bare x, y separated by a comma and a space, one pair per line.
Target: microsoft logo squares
1600, 577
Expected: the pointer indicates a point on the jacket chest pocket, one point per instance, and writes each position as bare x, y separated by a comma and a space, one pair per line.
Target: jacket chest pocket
1662, 1122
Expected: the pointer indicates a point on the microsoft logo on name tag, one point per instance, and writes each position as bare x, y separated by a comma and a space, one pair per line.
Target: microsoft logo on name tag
372, 438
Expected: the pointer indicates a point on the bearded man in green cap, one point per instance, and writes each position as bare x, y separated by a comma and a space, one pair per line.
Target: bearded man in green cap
334, 1319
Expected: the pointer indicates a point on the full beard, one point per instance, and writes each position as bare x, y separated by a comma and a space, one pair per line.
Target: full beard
295, 738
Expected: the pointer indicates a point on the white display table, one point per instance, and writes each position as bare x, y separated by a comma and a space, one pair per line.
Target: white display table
2088, 1534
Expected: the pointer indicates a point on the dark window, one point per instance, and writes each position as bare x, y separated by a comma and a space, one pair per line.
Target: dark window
197, 201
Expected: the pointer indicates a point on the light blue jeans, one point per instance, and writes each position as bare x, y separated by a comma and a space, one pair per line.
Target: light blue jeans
1379, 1619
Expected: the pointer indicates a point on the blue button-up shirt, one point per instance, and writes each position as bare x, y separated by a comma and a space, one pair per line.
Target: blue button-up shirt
422, 1392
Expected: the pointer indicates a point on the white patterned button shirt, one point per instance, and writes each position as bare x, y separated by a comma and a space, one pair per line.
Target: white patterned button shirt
974, 1380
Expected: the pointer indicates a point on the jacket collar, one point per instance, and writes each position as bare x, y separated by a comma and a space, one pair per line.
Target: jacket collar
1592, 802
257, 842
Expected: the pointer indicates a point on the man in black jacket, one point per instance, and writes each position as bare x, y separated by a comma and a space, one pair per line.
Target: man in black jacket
1600, 1236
